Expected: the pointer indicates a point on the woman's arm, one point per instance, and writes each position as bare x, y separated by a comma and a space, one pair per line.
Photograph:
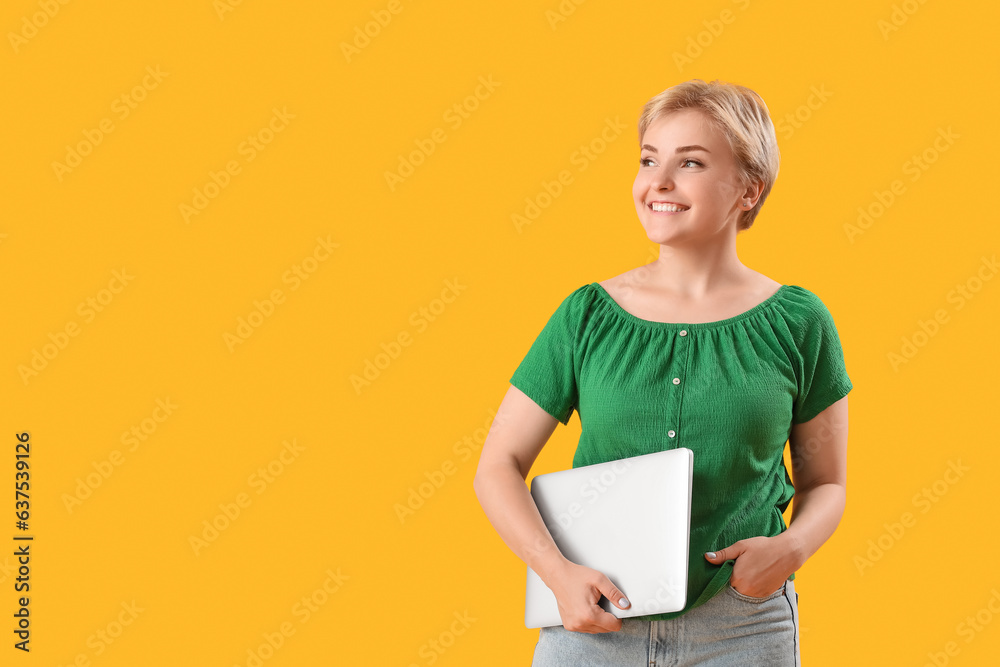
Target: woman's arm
518, 432
819, 472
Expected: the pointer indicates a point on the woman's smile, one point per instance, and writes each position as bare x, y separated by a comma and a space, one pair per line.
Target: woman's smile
667, 207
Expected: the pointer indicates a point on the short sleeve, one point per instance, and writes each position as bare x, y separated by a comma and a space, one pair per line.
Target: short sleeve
548, 373
822, 378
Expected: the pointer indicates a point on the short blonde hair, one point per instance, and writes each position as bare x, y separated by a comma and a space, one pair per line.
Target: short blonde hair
741, 115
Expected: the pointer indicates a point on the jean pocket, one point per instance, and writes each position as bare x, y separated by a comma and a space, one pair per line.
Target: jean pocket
749, 598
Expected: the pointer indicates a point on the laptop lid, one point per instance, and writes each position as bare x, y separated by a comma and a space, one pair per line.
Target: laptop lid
629, 519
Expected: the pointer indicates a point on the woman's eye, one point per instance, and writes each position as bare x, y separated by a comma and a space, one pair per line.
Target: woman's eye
646, 162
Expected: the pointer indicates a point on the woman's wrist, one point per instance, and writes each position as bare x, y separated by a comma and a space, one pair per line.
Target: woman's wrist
815, 514
794, 550
549, 565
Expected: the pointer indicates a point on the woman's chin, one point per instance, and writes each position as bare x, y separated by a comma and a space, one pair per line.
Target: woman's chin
663, 237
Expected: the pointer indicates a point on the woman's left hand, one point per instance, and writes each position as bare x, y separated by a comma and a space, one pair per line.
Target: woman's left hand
762, 564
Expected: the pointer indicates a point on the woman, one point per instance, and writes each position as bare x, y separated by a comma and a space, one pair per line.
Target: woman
693, 350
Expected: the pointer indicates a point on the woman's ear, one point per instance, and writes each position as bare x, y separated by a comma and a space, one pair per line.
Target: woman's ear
753, 192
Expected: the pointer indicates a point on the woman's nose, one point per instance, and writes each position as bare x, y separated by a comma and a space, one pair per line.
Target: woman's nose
662, 180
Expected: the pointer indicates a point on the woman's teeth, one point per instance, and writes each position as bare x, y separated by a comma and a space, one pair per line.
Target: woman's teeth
673, 208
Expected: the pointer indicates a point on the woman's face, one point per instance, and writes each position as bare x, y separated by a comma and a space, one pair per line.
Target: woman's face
686, 161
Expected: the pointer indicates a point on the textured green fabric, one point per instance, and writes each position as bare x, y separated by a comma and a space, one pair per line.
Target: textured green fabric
741, 384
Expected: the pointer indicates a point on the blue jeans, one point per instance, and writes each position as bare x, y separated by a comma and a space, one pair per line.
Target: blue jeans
729, 629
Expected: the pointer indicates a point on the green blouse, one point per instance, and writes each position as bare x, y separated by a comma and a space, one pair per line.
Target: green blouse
728, 390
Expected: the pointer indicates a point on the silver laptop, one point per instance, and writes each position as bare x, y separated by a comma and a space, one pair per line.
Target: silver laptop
630, 519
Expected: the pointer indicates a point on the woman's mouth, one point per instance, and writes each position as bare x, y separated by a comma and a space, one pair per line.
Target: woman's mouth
667, 207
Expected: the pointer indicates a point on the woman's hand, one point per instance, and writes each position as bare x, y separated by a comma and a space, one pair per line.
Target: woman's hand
762, 563
578, 589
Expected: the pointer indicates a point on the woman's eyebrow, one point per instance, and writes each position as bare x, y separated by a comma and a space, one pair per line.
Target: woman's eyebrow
680, 149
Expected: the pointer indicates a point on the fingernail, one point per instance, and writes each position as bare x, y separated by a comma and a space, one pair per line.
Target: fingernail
710, 554
623, 603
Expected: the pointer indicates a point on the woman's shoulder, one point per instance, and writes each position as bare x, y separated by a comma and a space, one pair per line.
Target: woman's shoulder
805, 313
627, 281
805, 300
575, 304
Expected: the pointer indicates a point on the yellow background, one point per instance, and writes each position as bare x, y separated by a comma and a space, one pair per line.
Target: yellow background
559, 78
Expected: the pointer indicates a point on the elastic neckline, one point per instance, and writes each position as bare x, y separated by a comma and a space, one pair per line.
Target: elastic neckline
690, 325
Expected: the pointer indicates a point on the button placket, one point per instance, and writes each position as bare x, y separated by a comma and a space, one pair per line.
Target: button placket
672, 433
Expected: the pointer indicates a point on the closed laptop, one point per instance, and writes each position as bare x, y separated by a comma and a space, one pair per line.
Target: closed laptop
630, 519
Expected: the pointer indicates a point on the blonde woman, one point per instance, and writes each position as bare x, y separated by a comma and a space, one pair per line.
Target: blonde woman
692, 350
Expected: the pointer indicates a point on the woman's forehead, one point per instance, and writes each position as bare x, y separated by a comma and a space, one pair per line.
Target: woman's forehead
685, 127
